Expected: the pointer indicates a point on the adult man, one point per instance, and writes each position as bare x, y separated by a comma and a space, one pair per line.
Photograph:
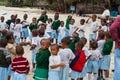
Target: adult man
115, 33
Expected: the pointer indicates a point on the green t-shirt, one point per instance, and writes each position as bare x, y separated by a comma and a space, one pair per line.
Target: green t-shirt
55, 24
72, 44
8, 22
45, 19
67, 24
42, 59
33, 26
107, 47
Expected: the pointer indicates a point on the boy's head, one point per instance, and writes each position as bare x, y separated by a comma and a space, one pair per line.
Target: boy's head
94, 17
79, 45
17, 21
35, 33
41, 32
45, 43
82, 21
65, 42
62, 23
72, 21
54, 49
4, 32
44, 12
74, 36
107, 35
19, 50
34, 19
3, 43
93, 44
2, 18
56, 16
103, 22
69, 17
25, 16
83, 40
101, 34
49, 20
10, 38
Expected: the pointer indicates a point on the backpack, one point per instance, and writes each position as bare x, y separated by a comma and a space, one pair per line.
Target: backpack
77, 64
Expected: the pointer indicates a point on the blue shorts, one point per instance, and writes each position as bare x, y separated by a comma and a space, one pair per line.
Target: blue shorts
53, 75
30, 36
92, 37
92, 66
17, 76
3, 73
82, 74
25, 33
54, 34
105, 62
49, 33
17, 40
33, 56
64, 73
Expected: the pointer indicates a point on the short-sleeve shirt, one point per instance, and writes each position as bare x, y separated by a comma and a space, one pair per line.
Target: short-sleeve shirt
3, 25
54, 60
17, 30
100, 45
93, 26
66, 55
95, 54
61, 31
81, 33
72, 29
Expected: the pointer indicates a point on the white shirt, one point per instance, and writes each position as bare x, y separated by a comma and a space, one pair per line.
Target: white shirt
3, 25
105, 13
25, 22
72, 29
17, 30
66, 55
104, 28
54, 60
48, 27
62, 31
35, 41
100, 45
93, 26
81, 33
95, 54
12, 25
86, 51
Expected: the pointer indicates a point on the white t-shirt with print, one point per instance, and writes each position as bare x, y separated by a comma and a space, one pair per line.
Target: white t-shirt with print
17, 30
54, 60
72, 29
81, 33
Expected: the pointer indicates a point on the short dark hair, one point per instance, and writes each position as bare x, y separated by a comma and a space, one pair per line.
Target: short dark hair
108, 35
9, 36
3, 42
35, 32
66, 40
83, 20
80, 44
93, 44
56, 45
19, 50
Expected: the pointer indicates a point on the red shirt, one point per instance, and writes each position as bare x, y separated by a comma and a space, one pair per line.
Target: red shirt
115, 31
20, 65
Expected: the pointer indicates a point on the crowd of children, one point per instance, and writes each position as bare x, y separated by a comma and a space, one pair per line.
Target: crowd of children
56, 47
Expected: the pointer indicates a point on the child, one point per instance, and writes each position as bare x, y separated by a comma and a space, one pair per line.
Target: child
68, 20
25, 24
105, 63
17, 31
3, 25
103, 26
55, 63
92, 64
75, 74
5, 60
66, 56
81, 29
61, 32
42, 61
45, 17
55, 25
49, 27
32, 26
34, 47
93, 27
72, 27
73, 41
20, 65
